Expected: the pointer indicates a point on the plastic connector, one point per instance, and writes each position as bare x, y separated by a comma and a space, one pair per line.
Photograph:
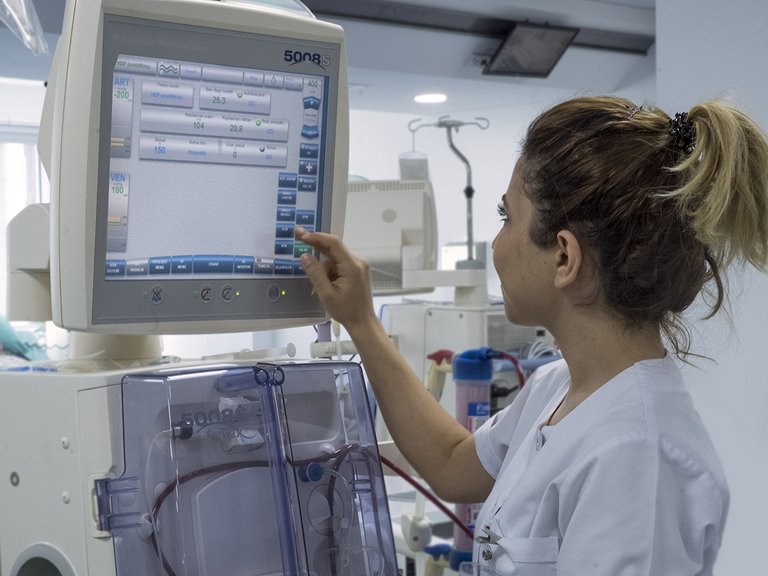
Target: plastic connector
329, 349
417, 531
439, 366
439, 551
312, 472
457, 557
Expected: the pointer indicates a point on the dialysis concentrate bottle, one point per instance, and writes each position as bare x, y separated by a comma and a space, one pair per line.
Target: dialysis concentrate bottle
472, 374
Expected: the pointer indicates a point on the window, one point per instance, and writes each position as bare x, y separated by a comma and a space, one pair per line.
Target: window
22, 182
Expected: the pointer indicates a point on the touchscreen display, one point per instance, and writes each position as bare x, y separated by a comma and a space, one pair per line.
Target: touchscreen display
211, 168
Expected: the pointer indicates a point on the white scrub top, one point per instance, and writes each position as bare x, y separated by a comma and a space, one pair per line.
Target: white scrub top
626, 484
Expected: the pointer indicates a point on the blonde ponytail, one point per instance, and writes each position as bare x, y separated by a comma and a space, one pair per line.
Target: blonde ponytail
725, 185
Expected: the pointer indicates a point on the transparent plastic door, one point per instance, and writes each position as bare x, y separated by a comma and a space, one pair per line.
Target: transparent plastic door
248, 471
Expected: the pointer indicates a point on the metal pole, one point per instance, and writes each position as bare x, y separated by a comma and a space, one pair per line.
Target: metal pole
469, 191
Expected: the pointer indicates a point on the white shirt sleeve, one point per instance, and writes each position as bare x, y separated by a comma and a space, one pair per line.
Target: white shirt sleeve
500, 436
493, 438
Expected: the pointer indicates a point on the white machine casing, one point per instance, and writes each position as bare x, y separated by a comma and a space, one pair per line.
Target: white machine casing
71, 116
243, 456
393, 225
394, 228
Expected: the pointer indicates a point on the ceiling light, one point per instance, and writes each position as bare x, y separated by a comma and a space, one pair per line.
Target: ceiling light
434, 98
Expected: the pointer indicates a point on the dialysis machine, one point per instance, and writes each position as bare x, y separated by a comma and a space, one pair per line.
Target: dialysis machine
237, 470
185, 140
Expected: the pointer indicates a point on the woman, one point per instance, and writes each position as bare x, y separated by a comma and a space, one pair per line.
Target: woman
615, 219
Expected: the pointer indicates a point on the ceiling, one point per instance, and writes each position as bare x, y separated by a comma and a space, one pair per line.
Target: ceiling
390, 63
397, 48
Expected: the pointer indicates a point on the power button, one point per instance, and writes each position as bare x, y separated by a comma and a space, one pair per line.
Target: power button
274, 292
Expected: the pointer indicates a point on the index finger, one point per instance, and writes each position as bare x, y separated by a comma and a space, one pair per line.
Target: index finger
328, 244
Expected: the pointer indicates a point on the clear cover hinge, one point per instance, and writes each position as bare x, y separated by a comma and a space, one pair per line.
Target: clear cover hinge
117, 504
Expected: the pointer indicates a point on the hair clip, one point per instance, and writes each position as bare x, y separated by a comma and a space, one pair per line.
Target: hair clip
634, 110
682, 132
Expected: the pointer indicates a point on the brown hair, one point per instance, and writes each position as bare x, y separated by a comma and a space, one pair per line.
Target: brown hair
659, 222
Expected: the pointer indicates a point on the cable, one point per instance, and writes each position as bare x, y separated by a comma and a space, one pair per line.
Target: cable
183, 480
336, 329
516, 363
338, 456
538, 349
443, 508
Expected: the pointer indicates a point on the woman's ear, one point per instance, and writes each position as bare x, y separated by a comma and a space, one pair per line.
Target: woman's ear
568, 259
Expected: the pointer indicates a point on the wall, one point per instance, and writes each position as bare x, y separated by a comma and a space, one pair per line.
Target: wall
21, 101
706, 49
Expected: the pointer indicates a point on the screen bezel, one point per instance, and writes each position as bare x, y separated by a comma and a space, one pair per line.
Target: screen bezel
263, 299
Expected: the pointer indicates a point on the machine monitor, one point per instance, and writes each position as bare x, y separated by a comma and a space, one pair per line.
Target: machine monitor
395, 229
185, 140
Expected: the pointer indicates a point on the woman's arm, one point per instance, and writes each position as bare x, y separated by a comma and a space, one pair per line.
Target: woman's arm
440, 449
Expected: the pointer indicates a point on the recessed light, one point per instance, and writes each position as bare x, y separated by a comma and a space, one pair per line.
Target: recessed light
433, 98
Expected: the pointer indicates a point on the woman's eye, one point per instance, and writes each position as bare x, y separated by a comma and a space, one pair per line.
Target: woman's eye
502, 212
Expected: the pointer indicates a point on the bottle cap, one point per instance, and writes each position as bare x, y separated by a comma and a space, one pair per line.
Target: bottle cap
476, 364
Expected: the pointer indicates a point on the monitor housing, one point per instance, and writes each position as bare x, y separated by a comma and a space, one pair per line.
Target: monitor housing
185, 140
393, 225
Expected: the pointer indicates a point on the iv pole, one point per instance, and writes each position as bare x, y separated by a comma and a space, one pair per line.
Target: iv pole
475, 292
450, 125
469, 191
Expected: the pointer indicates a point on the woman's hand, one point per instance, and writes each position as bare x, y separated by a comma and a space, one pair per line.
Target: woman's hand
341, 281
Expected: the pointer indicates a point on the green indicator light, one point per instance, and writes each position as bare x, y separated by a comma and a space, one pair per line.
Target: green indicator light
282, 292
237, 293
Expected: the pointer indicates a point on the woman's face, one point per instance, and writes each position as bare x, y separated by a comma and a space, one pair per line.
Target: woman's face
525, 270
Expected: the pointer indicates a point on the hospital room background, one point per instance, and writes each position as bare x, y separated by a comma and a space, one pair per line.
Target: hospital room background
703, 49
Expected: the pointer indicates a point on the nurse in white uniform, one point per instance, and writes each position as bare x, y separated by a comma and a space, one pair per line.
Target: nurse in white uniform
615, 219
